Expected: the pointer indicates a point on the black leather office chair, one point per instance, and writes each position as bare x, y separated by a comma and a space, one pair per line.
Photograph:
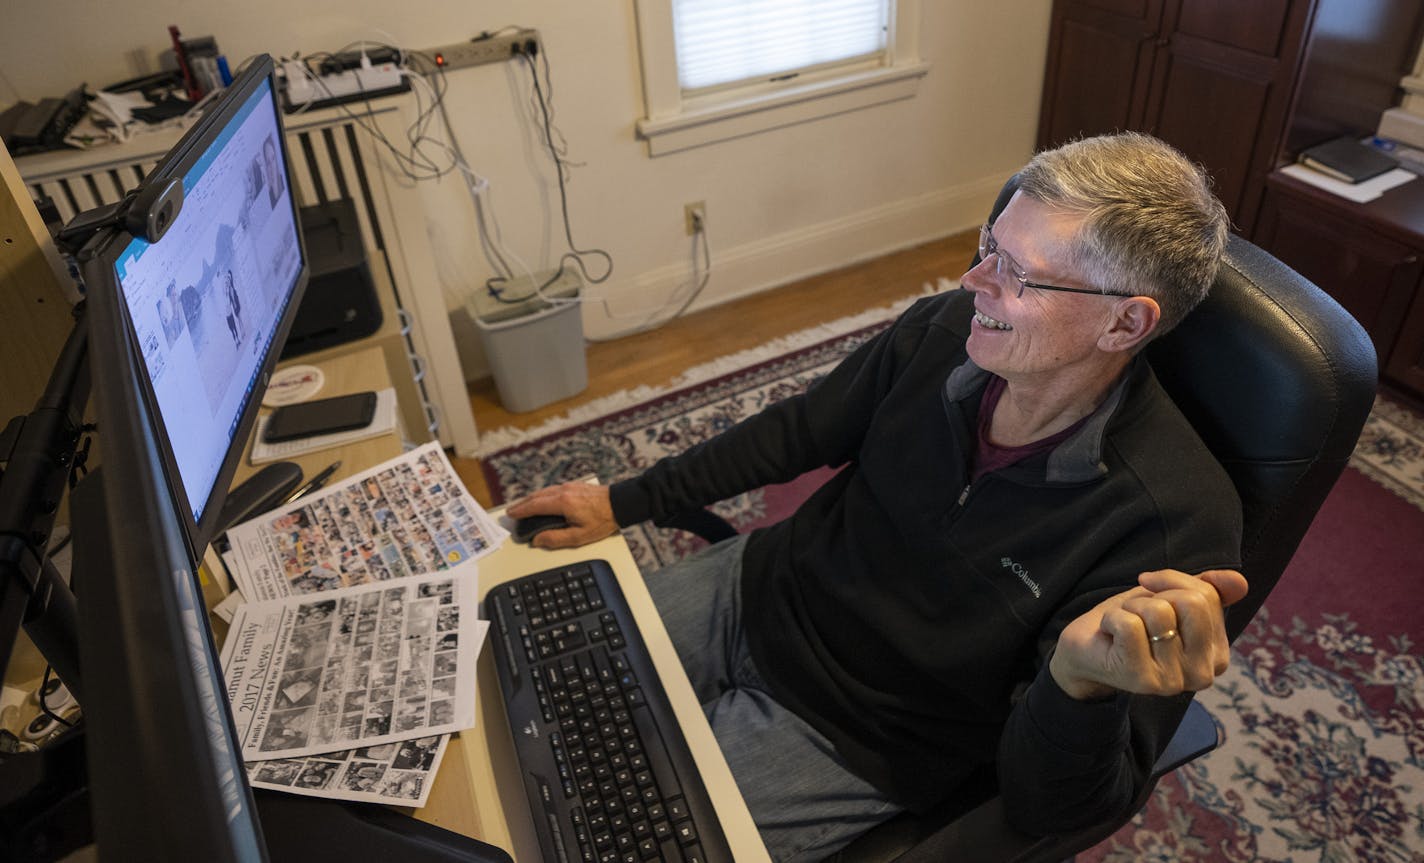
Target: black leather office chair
1278, 380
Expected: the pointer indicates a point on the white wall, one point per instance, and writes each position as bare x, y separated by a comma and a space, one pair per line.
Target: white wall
780, 204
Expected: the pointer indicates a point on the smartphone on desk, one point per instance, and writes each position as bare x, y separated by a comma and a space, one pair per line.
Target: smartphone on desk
321, 416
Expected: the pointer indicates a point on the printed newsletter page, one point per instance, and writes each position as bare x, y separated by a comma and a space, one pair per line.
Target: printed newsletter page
396, 773
357, 667
408, 516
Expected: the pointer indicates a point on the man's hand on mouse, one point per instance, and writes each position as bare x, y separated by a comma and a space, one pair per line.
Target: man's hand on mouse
585, 507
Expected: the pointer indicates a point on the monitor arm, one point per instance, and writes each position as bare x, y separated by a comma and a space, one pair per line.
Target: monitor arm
146, 213
40, 451
40, 454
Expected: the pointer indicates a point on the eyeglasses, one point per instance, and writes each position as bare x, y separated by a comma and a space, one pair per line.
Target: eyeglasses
1006, 265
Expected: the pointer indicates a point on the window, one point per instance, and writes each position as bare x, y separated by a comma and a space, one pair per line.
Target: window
743, 41
718, 69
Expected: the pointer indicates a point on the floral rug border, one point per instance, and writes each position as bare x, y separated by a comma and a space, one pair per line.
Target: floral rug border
1391, 450
508, 437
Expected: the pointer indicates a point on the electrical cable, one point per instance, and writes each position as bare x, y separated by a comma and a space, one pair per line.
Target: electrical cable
413, 162
651, 320
478, 188
416, 162
574, 250
44, 708
651, 323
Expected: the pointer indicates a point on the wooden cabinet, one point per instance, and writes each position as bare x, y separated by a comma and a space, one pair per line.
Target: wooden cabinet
1212, 77
1100, 59
1238, 86
1242, 86
1369, 257
1405, 363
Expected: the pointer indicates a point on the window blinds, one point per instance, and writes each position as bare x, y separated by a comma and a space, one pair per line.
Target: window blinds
725, 41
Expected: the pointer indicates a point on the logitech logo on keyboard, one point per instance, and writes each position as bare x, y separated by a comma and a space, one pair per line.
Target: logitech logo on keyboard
531, 729
1022, 573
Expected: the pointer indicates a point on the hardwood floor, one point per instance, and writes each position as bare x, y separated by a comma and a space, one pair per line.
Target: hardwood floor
656, 357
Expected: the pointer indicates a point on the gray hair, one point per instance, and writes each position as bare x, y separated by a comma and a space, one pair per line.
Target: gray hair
1153, 226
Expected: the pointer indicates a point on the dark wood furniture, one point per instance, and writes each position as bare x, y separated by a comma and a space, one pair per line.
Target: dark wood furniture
1212, 77
1238, 86
1242, 87
1369, 257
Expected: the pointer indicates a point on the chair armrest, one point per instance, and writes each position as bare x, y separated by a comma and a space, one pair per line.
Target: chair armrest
983, 832
1196, 735
701, 522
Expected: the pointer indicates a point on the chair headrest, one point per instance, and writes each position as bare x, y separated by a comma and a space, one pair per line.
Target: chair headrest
1278, 380
1269, 367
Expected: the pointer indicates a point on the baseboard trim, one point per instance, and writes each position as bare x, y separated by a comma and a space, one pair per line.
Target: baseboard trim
768, 263
764, 264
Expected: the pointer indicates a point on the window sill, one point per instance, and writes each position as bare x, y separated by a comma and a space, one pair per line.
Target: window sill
696, 124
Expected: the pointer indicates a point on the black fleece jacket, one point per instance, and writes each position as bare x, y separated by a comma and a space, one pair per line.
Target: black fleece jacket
908, 615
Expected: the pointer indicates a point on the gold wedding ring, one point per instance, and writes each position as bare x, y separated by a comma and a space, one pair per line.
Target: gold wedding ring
1166, 636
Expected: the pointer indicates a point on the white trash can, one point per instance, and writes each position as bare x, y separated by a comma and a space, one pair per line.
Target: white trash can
535, 347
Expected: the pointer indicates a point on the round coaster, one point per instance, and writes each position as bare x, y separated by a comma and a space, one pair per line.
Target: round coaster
293, 384
39, 728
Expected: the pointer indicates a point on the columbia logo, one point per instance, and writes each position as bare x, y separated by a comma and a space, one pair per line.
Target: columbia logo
1022, 573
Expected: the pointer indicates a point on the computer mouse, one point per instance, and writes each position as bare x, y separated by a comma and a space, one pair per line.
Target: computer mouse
525, 529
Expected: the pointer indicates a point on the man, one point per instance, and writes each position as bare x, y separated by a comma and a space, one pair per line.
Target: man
272, 171
1000, 571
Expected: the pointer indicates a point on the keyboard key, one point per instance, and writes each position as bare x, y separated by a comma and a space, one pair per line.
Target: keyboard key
685, 832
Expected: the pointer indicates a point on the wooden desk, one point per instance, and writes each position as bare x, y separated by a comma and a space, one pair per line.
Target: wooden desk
355, 372
350, 373
478, 790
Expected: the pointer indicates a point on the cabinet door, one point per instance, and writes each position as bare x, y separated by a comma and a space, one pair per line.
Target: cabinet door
1221, 90
1098, 69
1373, 277
1405, 365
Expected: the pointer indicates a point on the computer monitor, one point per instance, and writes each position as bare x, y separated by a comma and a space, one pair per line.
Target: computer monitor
210, 305
183, 334
183, 331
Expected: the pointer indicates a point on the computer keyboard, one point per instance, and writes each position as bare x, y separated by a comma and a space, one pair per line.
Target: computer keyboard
608, 774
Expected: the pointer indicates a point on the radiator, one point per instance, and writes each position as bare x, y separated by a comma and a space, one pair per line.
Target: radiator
332, 157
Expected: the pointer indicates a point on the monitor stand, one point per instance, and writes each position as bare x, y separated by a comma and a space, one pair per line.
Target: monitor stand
309, 828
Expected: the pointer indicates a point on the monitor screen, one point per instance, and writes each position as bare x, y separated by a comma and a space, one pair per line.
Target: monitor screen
183, 333
207, 301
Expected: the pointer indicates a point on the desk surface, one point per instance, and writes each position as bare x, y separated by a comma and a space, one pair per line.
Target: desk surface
478, 790
355, 372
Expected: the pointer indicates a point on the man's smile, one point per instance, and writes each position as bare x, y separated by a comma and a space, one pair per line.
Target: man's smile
992, 323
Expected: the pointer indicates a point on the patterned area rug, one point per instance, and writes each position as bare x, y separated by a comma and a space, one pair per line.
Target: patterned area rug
1322, 710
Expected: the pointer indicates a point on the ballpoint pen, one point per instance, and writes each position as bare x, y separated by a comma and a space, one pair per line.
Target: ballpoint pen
316, 482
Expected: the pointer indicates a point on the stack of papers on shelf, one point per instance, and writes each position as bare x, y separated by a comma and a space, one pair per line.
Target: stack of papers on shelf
1348, 160
1357, 192
384, 421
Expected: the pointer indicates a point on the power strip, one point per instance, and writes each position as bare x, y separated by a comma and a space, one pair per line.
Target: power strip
350, 85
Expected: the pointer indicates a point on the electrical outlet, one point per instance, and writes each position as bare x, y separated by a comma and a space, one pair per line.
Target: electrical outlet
485, 49
695, 215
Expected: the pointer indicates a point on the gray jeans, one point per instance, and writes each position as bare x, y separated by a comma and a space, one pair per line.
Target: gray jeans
805, 803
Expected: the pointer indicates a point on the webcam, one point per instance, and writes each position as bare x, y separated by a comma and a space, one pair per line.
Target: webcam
154, 209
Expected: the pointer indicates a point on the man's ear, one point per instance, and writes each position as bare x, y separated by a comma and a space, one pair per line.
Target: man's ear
1133, 321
